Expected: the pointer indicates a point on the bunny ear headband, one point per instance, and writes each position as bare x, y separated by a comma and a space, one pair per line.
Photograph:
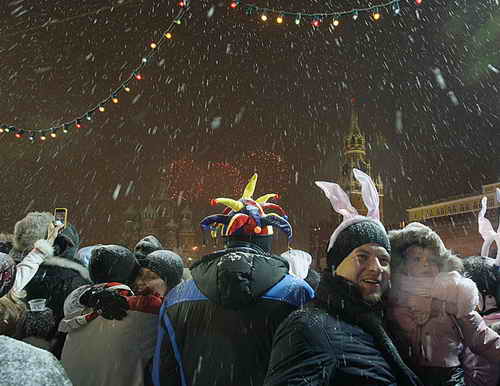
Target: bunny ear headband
342, 204
486, 230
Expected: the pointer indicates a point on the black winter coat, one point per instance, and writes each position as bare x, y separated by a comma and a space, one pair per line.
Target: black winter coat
217, 329
338, 340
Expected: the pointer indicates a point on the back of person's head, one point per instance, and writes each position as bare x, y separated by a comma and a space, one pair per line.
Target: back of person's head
147, 245
113, 263
27, 231
245, 220
7, 273
24, 364
485, 273
167, 264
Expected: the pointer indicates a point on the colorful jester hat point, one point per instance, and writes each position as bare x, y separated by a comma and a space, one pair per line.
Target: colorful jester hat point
246, 216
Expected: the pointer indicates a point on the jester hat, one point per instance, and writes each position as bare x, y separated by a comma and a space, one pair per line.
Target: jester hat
246, 216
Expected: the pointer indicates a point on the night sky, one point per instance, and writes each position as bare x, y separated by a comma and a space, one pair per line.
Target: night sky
237, 94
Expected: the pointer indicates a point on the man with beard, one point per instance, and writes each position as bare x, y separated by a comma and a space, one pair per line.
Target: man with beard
339, 338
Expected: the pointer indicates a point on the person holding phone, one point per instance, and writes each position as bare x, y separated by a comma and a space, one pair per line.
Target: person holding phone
58, 276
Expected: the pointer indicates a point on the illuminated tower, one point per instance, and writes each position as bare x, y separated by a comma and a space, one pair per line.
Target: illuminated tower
355, 157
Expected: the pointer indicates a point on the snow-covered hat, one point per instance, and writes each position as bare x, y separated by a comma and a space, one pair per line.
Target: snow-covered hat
299, 262
167, 264
355, 230
147, 245
486, 230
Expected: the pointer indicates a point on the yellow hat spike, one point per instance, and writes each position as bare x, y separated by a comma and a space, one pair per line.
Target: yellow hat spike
263, 199
230, 203
250, 188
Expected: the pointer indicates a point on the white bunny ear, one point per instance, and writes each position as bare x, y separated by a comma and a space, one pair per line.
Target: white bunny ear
485, 228
369, 193
338, 198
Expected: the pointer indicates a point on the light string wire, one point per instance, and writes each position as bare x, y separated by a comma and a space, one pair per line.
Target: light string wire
43, 134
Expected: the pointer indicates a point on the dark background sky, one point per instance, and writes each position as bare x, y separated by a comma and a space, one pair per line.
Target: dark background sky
229, 86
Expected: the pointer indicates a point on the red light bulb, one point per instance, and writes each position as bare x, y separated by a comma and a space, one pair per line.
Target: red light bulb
182, 4
138, 76
18, 135
233, 4
316, 23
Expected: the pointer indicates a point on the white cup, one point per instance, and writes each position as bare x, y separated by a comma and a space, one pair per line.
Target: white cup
37, 304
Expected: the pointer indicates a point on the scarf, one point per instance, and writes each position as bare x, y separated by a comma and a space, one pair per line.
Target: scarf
342, 300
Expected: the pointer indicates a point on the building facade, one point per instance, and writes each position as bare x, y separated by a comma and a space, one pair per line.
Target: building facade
354, 156
455, 220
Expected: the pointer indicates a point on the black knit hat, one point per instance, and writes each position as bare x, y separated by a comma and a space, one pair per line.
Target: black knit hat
113, 263
167, 264
354, 236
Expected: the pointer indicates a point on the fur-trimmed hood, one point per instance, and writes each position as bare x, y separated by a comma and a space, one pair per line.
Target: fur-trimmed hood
417, 234
56, 261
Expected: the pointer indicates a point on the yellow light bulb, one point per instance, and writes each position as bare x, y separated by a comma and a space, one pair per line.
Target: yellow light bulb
279, 19
102, 109
153, 45
127, 89
376, 16
53, 135
168, 35
336, 23
263, 17
114, 100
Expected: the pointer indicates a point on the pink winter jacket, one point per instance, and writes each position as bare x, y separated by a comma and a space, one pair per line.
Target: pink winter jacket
478, 371
436, 317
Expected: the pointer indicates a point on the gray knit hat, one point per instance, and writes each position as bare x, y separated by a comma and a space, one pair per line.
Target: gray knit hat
167, 264
354, 236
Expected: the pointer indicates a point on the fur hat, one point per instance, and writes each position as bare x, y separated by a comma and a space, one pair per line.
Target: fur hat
113, 263
417, 234
147, 245
27, 231
167, 264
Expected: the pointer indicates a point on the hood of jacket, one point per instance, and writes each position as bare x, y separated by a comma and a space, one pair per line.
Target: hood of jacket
236, 277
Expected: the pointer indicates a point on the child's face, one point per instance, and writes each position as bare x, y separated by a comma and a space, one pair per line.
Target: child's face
149, 283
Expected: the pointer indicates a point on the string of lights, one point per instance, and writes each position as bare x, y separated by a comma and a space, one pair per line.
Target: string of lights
317, 18
113, 97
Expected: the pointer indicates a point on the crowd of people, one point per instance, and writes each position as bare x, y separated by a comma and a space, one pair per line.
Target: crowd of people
391, 308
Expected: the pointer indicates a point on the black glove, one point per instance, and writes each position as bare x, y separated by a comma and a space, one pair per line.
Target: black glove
90, 298
112, 305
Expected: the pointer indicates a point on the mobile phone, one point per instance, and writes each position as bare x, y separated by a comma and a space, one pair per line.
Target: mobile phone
61, 216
